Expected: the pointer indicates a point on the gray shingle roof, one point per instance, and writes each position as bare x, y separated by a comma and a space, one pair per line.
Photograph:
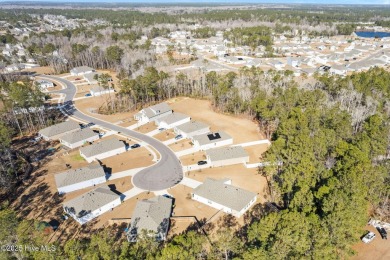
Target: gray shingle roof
227, 195
211, 138
224, 153
60, 128
192, 126
81, 69
173, 118
91, 201
157, 109
151, 214
102, 147
70, 177
78, 135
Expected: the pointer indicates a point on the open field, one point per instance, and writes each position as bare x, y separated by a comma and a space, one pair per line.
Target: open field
89, 105
241, 129
41, 70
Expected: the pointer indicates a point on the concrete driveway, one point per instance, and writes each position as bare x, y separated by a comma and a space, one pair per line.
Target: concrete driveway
164, 174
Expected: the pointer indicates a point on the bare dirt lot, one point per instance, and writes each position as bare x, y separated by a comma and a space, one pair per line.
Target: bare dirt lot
146, 128
181, 145
193, 158
41, 70
241, 129
165, 135
88, 105
378, 249
131, 159
255, 152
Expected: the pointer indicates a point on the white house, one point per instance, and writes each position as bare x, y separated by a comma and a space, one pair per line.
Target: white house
103, 149
80, 178
54, 132
153, 113
221, 195
189, 129
98, 90
79, 71
172, 120
44, 84
151, 215
92, 204
211, 140
338, 70
223, 156
79, 137
276, 64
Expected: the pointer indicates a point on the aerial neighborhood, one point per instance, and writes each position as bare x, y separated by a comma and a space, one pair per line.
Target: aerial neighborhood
191, 131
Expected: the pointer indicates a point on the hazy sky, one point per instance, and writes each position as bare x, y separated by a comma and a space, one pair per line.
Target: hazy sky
387, 2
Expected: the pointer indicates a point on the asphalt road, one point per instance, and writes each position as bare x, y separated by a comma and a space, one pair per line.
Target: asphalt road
164, 174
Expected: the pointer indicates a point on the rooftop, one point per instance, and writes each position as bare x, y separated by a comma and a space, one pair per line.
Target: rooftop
211, 138
173, 118
60, 128
79, 175
102, 147
78, 135
224, 153
192, 126
225, 194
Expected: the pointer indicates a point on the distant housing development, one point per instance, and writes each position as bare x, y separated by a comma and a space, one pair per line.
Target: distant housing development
151, 215
92, 204
220, 194
81, 178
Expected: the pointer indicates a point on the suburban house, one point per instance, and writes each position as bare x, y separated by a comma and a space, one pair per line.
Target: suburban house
78, 138
338, 70
98, 90
192, 128
227, 156
44, 84
221, 195
153, 113
172, 120
54, 132
151, 215
92, 204
80, 71
90, 77
103, 149
211, 140
81, 178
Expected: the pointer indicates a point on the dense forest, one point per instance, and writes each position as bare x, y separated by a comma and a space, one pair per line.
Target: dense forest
330, 148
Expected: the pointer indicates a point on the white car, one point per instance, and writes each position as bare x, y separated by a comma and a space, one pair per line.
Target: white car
368, 237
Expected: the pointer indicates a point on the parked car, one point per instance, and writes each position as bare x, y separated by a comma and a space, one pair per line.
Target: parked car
161, 129
178, 137
77, 79
135, 146
88, 125
383, 232
88, 95
368, 237
202, 162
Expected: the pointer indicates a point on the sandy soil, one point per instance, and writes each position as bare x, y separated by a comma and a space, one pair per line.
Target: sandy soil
92, 104
131, 159
193, 158
181, 145
146, 128
378, 249
165, 135
255, 152
240, 128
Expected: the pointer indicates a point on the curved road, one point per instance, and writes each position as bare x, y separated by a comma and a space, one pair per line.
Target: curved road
164, 174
